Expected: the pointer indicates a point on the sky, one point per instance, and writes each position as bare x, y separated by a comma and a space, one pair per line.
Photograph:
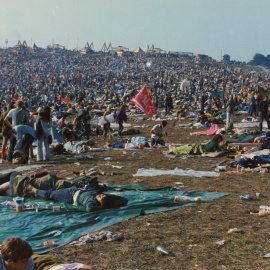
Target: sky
239, 28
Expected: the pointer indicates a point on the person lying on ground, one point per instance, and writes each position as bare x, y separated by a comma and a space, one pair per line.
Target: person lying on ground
252, 139
92, 199
12, 184
157, 133
197, 148
134, 143
17, 254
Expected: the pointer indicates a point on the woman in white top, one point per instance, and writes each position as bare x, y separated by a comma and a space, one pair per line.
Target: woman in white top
43, 124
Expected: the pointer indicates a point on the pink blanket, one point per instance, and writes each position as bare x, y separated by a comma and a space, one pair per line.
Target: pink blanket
211, 131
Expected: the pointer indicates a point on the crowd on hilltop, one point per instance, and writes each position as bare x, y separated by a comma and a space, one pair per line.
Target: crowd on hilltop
53, 88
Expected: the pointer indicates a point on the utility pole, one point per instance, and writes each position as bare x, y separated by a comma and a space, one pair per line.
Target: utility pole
6, 42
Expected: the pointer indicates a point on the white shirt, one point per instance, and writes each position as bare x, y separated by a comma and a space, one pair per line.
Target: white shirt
13, 114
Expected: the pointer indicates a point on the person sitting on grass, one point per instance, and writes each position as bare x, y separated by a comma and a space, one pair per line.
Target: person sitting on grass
92, 200
197, 148
157, 132
17, 254
203, 119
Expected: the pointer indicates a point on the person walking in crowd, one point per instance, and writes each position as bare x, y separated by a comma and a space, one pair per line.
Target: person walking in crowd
120, 118
43, 125
229, 112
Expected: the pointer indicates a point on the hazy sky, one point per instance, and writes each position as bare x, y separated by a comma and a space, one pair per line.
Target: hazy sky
239, 28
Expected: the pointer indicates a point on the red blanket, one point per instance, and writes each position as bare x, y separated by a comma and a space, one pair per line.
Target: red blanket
214, 128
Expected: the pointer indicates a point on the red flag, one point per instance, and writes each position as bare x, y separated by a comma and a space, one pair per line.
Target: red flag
66, 100
144, 102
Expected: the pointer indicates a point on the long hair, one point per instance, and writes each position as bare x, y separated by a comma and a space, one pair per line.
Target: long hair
217, 137
46, 114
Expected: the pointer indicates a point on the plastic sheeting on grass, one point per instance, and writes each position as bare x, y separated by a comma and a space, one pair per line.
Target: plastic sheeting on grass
176, 171
72, 222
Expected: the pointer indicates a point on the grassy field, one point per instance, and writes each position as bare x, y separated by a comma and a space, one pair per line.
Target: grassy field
200, 225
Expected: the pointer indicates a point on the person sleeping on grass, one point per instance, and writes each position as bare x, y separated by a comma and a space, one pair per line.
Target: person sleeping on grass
92, 199
197, 148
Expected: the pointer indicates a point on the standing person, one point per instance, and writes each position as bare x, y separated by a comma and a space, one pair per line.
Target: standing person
43, 124
259, 98
264, 114
229, 112
251, 103
107, 126
12, 115
86, 117
120, 118
157, 132
2, 126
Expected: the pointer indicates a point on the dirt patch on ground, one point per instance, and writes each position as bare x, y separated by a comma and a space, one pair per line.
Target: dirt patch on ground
202, 224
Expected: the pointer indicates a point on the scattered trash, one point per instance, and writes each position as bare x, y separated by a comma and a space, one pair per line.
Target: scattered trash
234, 230
245, 197
220, 243
49, 243
98, 236
92, 169
221, 168
114, 173
263, 213
259, 195
187, 199
192, 246
89, 157
79, 157
77, 164
55, 233
265, 255
108, 158
162, 250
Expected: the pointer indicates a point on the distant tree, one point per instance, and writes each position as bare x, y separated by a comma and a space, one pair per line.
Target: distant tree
251, 63
226, 58
258, 59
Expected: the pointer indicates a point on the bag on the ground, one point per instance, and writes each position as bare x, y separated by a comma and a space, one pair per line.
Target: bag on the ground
19, 157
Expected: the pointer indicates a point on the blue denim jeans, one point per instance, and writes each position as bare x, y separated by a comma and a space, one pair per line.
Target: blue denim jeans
63, 195
120, 129
264, 115
13, 142
86, 132
158, 141
245, 140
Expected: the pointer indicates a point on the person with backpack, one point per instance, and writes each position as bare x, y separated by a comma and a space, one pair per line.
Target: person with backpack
43, 124
11, 117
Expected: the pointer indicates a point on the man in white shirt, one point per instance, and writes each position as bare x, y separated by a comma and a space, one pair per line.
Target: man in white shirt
157, 133
12, 114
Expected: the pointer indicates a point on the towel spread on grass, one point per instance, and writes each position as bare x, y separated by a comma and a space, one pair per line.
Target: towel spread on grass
176, 171
214, 128
72, 222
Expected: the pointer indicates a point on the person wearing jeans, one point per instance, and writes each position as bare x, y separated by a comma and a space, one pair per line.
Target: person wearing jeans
157, 133
21, 136
120, 118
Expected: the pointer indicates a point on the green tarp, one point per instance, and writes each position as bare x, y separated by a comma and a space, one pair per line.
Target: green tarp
72, 222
